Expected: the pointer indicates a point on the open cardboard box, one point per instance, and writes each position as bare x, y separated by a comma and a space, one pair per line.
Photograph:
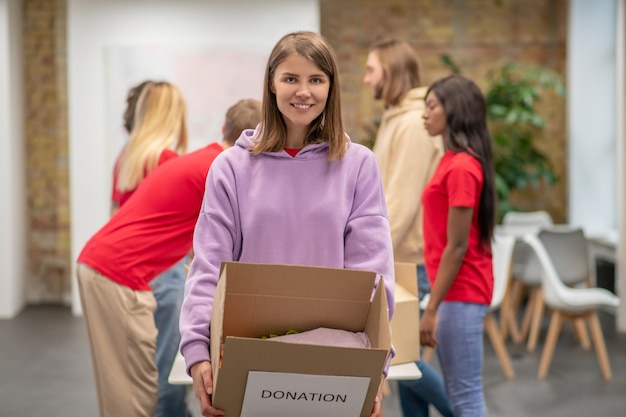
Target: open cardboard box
405, 332
254, 300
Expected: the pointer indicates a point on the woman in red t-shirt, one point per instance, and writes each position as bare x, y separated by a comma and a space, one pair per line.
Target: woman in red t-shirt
459, 218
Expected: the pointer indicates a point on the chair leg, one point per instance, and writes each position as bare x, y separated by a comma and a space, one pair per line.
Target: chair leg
537, 315
556, 323
580, 330
506, 323
515, 299
498, 345
598, 342
528, 313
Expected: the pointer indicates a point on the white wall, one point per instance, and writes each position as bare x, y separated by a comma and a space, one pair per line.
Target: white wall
13, 230
93, 25
620, 270
591, 78
597, 151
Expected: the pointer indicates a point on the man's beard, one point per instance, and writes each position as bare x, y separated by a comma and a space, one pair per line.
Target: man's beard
378, 91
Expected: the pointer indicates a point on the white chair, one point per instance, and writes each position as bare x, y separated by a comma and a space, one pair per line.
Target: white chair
568, 248
526, 274
570, 303
569, 251
502, 252
527, 221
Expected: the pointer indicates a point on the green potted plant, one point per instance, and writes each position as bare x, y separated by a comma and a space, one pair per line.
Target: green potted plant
511, 96
514, 123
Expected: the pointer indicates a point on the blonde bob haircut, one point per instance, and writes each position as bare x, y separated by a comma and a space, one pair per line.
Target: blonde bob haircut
401, 69
328, 126
160, 122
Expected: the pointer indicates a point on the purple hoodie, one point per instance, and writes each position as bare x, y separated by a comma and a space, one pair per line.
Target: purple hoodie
274, 208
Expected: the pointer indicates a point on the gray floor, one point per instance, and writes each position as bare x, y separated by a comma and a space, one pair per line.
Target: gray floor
45, 370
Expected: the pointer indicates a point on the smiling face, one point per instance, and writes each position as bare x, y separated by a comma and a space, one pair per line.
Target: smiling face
374, 75
301, 90
434, 116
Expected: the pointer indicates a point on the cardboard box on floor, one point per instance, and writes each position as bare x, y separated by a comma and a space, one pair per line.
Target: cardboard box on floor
254, 300
405, 333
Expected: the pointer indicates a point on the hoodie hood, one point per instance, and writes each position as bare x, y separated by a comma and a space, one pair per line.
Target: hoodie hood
414, 100
249, 137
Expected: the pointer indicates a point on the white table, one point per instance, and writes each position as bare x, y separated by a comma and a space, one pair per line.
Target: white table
604, 245
178, 374
404, 371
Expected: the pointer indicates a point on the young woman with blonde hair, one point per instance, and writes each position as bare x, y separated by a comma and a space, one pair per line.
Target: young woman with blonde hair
155, 117
158, 132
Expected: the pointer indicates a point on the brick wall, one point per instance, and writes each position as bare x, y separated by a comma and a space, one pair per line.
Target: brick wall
480, 35
45, 79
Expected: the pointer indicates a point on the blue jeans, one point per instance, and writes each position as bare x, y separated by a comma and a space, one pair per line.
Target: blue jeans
460, 354
168, 289
416, 395
423, 285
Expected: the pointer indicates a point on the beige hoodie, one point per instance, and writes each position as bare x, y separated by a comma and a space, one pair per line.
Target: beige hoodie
407, 157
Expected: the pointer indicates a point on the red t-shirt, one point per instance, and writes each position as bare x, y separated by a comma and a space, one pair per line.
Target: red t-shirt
457, 182
154, 229
292, 151
120, 197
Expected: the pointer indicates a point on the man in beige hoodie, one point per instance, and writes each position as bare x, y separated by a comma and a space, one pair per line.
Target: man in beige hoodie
406, 154
407, 157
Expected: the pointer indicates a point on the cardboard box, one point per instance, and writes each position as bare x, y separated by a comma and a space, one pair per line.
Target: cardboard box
254, 300
405, 332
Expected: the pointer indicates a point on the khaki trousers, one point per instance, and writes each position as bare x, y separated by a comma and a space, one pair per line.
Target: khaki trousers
122, 339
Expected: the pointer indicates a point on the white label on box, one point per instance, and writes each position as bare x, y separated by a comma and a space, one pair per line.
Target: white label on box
275, 394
